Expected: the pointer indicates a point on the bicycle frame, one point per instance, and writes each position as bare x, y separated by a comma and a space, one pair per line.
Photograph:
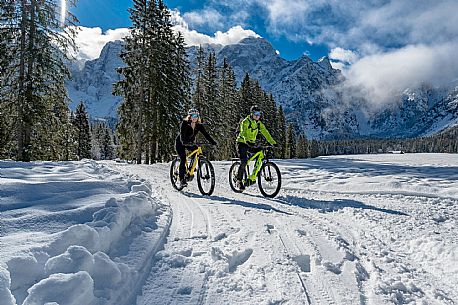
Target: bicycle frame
196, 153
259, 157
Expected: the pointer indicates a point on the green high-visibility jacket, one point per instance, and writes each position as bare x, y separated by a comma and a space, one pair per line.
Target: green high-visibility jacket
249, 129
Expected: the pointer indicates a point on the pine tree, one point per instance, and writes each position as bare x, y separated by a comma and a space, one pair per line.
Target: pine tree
290, 142
314, 149
33, 72
211, 107
246, 96
102, 147
302, 148
269, 114
132, 86
198, 95
83, 133
230, 112
155, 84
281, 133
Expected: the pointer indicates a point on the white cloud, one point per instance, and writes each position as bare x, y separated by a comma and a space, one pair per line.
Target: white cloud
344, 56
209, 17
382, 77
192, 37
90, 41
285, 11
338, 65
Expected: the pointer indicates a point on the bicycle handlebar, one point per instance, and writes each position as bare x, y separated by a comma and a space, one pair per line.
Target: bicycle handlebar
198, 144
264, 147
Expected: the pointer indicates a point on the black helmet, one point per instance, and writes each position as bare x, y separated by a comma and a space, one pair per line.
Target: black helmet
255, 108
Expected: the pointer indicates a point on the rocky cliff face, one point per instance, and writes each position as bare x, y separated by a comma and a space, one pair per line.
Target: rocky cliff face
93, 82
306, 89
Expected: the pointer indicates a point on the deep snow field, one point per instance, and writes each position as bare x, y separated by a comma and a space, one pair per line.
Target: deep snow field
344, 230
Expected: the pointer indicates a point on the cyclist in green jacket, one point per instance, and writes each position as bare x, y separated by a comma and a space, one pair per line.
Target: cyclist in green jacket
246, 140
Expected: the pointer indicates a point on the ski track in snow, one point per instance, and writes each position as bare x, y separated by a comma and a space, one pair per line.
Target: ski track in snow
373, 229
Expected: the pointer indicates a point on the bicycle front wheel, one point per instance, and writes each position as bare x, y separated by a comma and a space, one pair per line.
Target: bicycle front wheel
175, 174
205, 177
269, 180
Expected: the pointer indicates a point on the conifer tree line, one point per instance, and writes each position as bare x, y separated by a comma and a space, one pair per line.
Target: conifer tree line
34, 114
223, 105
92, 139
445, 142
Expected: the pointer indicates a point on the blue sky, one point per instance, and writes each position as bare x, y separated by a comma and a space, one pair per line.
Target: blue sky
109, 14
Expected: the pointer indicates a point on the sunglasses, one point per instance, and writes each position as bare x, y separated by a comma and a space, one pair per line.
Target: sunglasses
194, 116
257, 113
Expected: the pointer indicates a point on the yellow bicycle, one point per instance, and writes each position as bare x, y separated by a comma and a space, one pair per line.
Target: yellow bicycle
205, 171
267, 173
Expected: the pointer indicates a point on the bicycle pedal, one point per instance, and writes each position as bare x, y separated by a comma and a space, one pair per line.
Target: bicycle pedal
248, 183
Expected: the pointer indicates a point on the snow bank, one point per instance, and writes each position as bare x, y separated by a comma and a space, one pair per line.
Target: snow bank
5, 283
63, 289
83, 264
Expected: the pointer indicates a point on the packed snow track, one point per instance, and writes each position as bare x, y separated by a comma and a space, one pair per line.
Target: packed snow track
344, 230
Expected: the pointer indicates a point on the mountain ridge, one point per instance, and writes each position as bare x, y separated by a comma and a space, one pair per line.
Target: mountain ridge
309, 92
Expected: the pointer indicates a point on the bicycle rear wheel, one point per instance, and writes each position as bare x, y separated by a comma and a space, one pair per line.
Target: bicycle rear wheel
175, 174
205, 177
269, 180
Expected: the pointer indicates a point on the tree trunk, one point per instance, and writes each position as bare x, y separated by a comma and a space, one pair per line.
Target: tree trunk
147, 151
21, 85
29, 91
139, 138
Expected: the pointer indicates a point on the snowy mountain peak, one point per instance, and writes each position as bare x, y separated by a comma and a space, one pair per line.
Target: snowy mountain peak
260, 44
325, 62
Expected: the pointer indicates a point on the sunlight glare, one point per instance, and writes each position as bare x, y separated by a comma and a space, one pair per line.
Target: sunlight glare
63, 11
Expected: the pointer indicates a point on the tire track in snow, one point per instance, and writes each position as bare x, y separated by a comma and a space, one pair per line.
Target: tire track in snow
323, 296
382, 256
326, 250
189, 227
316, 290
375, 255
187, 275
271, 229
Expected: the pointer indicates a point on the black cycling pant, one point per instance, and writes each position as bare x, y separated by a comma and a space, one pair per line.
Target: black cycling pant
244, 149
181, 151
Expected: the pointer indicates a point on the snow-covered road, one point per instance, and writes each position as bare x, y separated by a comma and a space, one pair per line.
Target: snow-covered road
372, 229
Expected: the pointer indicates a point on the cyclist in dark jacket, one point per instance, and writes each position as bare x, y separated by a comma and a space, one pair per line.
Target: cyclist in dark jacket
189, 129
249, 129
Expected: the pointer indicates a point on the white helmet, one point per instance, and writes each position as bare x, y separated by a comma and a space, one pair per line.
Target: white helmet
193, 111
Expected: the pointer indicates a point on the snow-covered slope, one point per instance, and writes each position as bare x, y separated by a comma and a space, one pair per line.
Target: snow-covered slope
308, 91
372, 229
93, 82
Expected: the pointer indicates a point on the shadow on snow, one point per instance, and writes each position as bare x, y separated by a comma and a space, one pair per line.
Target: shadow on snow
246, 204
